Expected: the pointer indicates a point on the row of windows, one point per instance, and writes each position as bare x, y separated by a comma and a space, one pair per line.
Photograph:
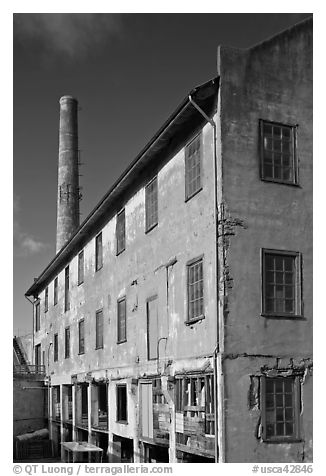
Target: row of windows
278, 164
192, 186
281, 291
121, 332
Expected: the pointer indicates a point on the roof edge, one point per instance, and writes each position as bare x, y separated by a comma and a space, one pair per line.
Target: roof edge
61, 256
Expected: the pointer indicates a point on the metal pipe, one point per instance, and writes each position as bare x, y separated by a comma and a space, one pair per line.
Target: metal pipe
33, 388
32, 302
218, 371
49, 394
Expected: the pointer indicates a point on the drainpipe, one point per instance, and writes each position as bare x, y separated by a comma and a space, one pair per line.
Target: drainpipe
32, 303
219, 349
49, 397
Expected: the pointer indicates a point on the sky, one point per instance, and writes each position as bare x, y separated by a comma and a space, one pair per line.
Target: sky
129, 72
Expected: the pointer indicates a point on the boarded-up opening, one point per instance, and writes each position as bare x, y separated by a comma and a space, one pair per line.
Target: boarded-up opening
195, 425
146, 409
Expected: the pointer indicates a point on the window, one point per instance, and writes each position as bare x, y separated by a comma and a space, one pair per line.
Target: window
81, 337
55, 347
193, 167
281, 283
122, 324
278, 154
67, 342
46, 299
280, 408
121, 231
37, 316
151, 205
98, 252
152, 328
195, 290
67, 295
80, 267
99, 329
122, 404
55, 291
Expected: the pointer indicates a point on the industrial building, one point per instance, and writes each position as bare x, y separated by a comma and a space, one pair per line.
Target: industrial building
175, 322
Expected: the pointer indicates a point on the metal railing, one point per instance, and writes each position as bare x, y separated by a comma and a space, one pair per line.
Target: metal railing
29, 370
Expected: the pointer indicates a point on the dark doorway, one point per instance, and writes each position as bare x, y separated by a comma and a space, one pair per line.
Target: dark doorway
155, 454
124, 449
103, 443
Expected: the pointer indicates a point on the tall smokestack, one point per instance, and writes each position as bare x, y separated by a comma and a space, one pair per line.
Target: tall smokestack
68, 175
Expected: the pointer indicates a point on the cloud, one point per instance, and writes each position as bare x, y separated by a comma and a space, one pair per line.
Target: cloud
73, 35
24, 244
16, 203
32, 246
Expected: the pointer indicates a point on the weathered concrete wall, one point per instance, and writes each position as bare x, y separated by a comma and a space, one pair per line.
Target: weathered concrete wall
28, 406
138, 273
272, 81
185, 230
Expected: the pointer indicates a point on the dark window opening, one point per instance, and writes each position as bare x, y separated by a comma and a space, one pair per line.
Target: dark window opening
67, 342
122, 321
102, 398
67, 293
122, 416
55, 347
46, 299
81, 267
99, 329
38, 355
278, 153
81, 337
121, 232
98, 252
55, 291
37, 317
193, 167
84, 404
151, 204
